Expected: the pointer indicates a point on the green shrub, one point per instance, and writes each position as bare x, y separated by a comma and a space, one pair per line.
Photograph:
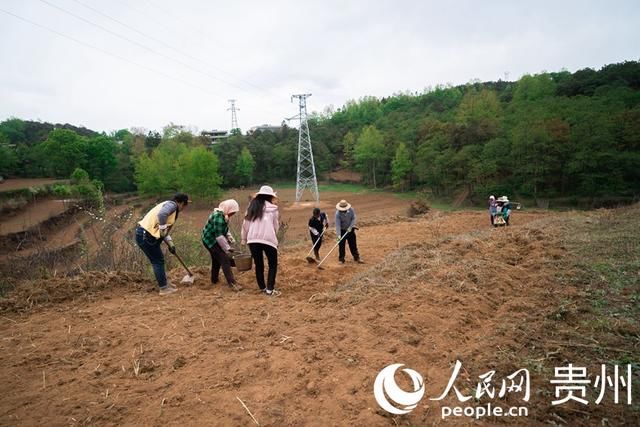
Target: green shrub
79, 175
62, 190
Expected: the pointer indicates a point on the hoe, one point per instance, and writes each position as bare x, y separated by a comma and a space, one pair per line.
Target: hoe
188, 278
333, 248
311, 259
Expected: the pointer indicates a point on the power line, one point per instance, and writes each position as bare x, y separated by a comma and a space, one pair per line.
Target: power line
173, 16
185, 82
127, 39
143, 13
175, 49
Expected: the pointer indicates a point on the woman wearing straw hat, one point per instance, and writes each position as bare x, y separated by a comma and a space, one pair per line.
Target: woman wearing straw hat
346, 224
216, 238
259, 230
505, 210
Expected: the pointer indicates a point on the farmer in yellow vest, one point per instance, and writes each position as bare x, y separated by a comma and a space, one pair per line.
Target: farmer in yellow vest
153, 229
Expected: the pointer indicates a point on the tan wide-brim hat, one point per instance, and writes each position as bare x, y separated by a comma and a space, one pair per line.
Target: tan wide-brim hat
267, 191
343, 205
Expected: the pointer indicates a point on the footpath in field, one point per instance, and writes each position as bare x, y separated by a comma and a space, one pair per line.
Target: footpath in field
104, 348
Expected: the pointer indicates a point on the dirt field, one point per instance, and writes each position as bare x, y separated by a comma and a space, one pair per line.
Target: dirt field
105, 349
370, 208
345, 176
16, 184
33, 214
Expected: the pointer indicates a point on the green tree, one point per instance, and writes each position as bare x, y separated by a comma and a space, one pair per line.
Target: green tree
79, 175
89, 192
8, 158
185, 137
157, 174
348, 146
152, 140
227, 152
198, 174
284, 161
65, 150
244, 167
122, 136
533, 88
369, 152
172, 130
14, 130
401, 167
121, 178
477, 106
429, 168
101, 150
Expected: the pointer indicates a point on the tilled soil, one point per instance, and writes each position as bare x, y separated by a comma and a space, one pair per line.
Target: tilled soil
106, 349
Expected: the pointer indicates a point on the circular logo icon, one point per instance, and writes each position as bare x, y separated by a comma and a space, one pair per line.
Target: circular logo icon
387, 391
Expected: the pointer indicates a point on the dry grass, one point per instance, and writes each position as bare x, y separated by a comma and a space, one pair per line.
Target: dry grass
464, 262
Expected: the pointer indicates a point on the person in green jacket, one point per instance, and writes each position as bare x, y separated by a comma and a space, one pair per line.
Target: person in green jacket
505, 208
216, 238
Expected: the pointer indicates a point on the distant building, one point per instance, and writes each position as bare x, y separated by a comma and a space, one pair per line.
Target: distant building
264, 128
214, 135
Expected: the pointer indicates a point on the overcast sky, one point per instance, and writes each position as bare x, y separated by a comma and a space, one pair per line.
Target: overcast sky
112, 64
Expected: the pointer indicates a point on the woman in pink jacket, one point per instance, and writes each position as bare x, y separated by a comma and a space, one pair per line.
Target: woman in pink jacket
259, 229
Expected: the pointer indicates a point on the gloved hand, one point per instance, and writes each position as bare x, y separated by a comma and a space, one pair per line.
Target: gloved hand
230, 238
314, 231
172, 247
349, 229
337, 238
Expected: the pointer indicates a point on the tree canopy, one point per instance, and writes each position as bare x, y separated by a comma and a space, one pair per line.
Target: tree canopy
545, 135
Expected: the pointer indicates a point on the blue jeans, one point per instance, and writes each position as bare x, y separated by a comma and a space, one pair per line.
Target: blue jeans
151, 248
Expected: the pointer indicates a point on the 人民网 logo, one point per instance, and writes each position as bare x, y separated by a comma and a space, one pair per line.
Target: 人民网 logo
392, 398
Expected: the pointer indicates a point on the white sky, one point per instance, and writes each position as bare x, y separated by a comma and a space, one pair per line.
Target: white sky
194, 55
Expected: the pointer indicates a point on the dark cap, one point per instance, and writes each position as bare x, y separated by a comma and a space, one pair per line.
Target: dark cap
181, 198
316, 211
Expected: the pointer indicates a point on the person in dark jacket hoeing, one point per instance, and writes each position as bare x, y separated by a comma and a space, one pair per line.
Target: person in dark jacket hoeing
318, 223
346, 231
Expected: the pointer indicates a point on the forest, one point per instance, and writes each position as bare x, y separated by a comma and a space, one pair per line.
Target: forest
548, 135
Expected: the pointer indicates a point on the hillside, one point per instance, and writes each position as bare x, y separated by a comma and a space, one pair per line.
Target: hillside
555, 288
546, 136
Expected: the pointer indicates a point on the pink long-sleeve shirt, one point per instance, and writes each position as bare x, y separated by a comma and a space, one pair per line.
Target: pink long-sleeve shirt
263, 230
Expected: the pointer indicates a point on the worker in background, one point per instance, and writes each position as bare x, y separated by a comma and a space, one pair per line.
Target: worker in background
318, 223
346, 230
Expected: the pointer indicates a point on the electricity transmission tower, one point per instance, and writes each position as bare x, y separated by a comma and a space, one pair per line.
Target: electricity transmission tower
306, 175
234, 116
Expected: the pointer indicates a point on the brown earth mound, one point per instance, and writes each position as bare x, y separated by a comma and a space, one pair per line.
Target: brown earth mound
30, 294
100, 349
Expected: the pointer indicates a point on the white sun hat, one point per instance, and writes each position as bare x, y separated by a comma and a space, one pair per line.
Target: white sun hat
267, 191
